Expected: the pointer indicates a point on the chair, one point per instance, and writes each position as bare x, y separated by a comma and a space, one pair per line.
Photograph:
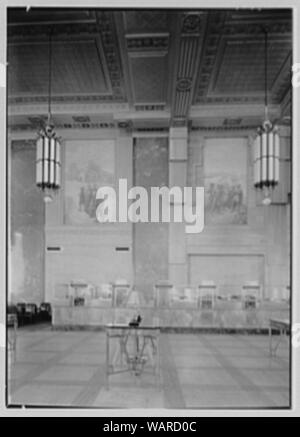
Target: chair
104, 293
31, 312
163, 290
121, 290
45, 311
207, 294
251, 295
183, 296
21, 312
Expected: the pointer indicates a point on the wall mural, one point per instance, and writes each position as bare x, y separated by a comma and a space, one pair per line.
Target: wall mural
225, 176
89, 165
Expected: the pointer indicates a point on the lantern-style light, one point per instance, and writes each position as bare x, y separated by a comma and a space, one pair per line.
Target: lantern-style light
266, 156
266, 148
48, 155
48, 160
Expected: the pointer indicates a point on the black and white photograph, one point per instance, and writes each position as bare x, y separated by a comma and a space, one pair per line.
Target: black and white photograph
149, 208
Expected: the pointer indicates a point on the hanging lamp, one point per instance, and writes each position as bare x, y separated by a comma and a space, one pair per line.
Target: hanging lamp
48, 156
266, 147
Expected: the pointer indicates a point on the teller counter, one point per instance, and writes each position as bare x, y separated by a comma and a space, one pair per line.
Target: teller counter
224, 314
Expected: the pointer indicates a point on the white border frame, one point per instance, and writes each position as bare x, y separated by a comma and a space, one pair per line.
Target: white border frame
295, 411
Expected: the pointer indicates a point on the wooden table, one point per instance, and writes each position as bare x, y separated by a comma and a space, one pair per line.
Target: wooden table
134, 349
281, 325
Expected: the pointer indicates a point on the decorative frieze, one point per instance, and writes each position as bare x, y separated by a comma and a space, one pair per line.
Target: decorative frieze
147, 42
149, 107
88, 98
191, 23
31, 127
223, 127
109, 40
189, 49
184, 84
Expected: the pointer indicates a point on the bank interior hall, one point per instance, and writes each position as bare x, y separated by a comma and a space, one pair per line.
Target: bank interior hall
107, 308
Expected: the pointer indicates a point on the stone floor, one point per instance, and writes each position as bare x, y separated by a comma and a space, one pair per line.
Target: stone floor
58, 368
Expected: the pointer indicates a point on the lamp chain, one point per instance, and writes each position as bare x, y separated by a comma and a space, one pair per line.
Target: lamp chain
50, 76
266, 74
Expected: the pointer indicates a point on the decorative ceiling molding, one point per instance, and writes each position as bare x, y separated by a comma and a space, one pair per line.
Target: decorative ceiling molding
85, 99
147, 42
157, 62
286, 106
31, 127
125, 124
231, 100
28, 33
232, 111
274, 27
183, 84
120, 30
107, 30
191, 23
150, 116
232, 122
210, 48
156, 107
37, 120
152, 129
283, 81
33, 16
81, 119
192, 30
179, 122
86, 107
128, 126
223, 127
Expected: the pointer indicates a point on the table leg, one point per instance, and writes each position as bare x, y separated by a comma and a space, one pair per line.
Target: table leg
15, 339
158, 376
107, 361
270, 341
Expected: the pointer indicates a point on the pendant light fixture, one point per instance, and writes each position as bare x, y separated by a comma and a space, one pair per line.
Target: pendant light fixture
48, 163
266, 147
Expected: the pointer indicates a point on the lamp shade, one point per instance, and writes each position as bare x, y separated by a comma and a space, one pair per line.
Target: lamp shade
266, 157
48, 164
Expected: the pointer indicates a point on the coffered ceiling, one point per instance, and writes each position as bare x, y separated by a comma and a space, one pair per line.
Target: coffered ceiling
148, 67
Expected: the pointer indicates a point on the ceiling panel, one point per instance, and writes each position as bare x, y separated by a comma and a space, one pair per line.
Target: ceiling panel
76, 67
146, 21
240, 68
149, 78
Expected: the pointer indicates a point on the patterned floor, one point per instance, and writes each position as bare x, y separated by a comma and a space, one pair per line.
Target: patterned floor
54, 368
